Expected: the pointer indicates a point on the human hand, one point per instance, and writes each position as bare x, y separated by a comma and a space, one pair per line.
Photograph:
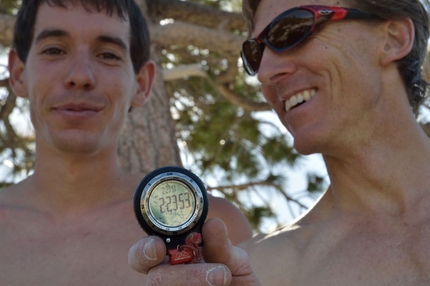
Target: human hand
224, 263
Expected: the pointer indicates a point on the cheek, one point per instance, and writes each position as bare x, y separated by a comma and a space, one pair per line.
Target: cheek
120, 97
37, 90
269, 93
42, 82
36, 111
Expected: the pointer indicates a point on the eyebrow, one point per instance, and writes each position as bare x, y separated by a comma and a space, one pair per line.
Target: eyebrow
113, 40
57, 33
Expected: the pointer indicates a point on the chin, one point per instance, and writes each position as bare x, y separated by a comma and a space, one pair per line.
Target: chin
77, 147
307, 146
304, 151
77, 144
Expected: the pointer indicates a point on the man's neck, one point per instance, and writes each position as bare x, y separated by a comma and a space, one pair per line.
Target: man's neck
387, 173
64, 184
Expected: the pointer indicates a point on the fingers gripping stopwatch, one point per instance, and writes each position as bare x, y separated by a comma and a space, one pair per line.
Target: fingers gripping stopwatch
172, 203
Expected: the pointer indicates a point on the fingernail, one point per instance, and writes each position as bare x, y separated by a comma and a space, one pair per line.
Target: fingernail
216, 275
149, 250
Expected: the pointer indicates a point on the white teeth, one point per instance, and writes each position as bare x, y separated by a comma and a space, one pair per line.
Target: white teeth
299, 98
293, 101
306, 95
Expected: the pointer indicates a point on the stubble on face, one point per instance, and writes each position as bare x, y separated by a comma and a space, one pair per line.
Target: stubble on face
110, 92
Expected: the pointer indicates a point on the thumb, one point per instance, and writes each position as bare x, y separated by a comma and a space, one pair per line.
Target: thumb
218, 249
146, 253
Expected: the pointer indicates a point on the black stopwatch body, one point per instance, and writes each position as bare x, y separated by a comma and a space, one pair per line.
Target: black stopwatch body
172, 203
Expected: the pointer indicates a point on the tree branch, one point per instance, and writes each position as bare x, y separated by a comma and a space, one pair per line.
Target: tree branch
184, 71
242, 187
202, 15
4, 82
240, 100
183, 34
223, 90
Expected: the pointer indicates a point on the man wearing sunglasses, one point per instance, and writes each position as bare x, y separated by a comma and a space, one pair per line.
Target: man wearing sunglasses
81, 64
345, 80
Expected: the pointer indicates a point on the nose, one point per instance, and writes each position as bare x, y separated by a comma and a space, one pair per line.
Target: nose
275, 66
80, 72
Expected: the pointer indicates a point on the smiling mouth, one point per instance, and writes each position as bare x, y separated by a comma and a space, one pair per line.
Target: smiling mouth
77, 108
299, 98
76, 111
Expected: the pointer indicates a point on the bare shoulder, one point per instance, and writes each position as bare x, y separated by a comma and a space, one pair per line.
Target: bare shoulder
9, 193
276, 257
11, 199
238, 226
96, 238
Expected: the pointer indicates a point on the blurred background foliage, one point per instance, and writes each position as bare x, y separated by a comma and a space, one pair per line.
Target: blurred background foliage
225, 132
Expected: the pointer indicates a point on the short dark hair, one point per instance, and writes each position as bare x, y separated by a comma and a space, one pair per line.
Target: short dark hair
139, 34
410, 67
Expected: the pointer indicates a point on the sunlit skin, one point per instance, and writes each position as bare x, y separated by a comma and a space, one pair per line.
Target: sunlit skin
96, 81
372, 225
357, 112
344, 102
72, 221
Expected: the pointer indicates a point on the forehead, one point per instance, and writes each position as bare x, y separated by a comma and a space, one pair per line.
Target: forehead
268, 9
78, 21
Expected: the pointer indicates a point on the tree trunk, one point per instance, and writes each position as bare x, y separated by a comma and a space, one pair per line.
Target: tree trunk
7, 23
148, 140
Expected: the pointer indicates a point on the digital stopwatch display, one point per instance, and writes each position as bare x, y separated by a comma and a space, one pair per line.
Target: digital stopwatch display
171, 203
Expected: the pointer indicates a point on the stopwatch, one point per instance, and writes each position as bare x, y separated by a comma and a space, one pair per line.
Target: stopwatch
172, 203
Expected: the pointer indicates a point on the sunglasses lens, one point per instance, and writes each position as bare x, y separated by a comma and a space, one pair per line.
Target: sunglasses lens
251, 56
288, 30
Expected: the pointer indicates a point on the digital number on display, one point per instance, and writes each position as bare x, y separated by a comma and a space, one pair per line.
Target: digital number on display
171, 203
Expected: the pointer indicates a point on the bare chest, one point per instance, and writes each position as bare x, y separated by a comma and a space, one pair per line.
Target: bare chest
35, 252
368, 259
330, 257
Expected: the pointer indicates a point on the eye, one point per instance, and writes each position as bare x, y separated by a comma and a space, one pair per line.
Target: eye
109, 56
53, 51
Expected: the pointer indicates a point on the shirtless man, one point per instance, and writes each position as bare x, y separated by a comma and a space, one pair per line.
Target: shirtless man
81, 66
360, 79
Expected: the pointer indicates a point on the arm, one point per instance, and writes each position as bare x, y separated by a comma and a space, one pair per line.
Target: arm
238, 226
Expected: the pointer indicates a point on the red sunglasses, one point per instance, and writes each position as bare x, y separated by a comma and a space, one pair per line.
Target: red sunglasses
292, 27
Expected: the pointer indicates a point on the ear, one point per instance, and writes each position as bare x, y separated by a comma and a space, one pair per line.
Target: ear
16, 74
399, 40
145, 78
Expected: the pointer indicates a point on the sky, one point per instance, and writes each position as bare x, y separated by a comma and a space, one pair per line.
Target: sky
296, 181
